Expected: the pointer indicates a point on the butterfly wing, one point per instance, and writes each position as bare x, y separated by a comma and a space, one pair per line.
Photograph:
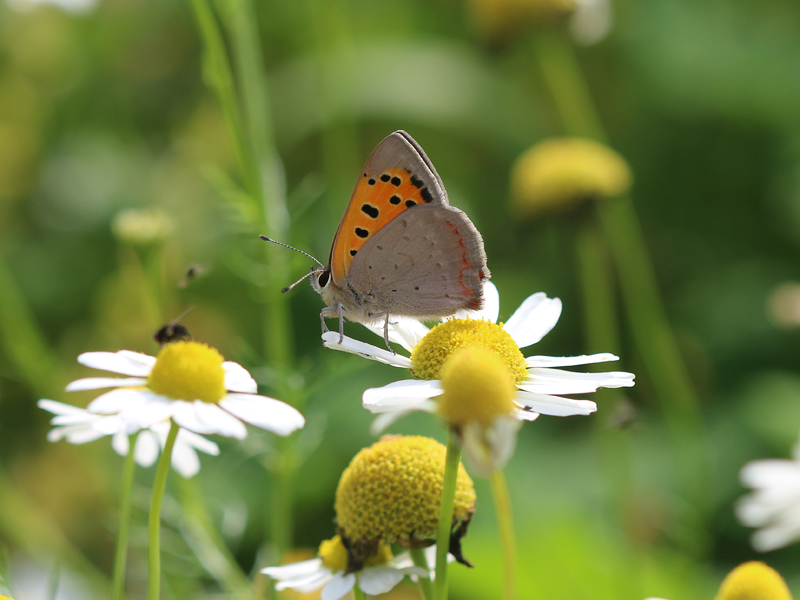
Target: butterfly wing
397, 176
428, 262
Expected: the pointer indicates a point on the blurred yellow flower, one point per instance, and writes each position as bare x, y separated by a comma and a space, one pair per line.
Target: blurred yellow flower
753, 581
142, 226
498, 18
560, 173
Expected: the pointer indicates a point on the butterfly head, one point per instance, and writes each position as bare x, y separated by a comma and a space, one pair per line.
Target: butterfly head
322, 282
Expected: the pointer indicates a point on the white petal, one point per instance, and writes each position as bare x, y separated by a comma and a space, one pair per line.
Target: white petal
146, 450
81, 434
203, 417
98, 383
237, 379
526, 415
378, 580
185, 460
778, 536
534, 319
557, 381
339, 586
294, 570
266, 413
405, 331
119, 400
154, 409
569, 361
331, 340
78, 419
385, 419
491, 306
109, 425
59, 408
121, 443
555, 406
198, 442
490, 449
123, 362
400, 395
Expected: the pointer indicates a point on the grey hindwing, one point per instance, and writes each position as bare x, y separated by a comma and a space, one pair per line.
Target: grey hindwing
424, 263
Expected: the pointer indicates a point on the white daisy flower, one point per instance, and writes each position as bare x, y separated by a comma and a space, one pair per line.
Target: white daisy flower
540, 386
189, 383
79, 426
774, 505
327, 572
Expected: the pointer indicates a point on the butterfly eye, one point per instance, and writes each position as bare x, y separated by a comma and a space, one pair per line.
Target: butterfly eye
324, 277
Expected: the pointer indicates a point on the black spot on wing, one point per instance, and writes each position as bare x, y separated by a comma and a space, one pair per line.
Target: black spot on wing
395, 199
371, 181
353, 252
396, 181
370, 211
416, 181
362, 233
426, 194
410, 203
385, 177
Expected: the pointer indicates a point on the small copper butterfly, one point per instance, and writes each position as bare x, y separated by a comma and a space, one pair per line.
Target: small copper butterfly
401, 249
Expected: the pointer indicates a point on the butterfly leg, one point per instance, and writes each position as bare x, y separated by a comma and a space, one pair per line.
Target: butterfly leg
386, 334
341, 321
329, 312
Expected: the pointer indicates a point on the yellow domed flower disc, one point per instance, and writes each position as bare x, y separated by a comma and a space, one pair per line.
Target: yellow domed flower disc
391, 492
753, 581
478, 387
558, 174
188, 371
430, 354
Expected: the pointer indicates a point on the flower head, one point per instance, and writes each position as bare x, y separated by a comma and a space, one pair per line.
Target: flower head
391, 492
189, 383
753, 581
79, 426
139, 226
329, 572
559, 174
540, 389
774, 504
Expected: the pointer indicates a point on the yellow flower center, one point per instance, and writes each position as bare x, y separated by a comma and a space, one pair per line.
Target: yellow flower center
391, 492
432, 352
753, 581
334, 555
477, 387
188, 371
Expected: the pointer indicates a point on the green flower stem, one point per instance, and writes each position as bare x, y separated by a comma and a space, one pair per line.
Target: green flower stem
121, 555
208, 545
446, 513
358, 593
425, 585
154, 537
644, 309
505, 524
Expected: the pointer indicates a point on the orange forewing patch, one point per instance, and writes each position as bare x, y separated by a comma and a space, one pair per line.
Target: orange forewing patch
376, 200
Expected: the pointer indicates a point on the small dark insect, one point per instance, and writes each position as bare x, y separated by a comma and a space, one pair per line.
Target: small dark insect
193, 272
173, 332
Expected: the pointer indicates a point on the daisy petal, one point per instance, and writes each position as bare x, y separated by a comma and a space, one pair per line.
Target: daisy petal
204, 417
59, 408
121, 443
385, 419
146, 450
266, 413
556, 381
237, 379
78, 419
98, 383
294, 570
339, 586
491, 306
331, 340
108, 425
400, 395
378, 580
402, 330
526, 415
123, 362
185, 460
306, 584
198, 442
80, 434
534, 319
554, 405
569, 361
119, 400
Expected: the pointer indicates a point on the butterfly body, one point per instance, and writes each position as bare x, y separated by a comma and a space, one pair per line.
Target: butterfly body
401, 249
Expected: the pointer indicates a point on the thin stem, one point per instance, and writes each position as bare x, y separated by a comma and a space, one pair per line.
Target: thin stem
446, 513
358, 593
505, 524
425, 585
154, 543
121, 555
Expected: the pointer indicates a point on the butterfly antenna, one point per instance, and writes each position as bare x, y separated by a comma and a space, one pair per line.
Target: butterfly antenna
266, 239
289, 287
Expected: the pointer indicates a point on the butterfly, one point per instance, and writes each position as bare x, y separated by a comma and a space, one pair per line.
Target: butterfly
400, 250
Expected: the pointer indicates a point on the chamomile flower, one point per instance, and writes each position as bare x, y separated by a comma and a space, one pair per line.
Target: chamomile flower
329, 572
774, 504
189, 383
540, 387
79, 426
752, 581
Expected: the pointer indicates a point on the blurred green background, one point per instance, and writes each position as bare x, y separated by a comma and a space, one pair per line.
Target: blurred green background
105, 107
